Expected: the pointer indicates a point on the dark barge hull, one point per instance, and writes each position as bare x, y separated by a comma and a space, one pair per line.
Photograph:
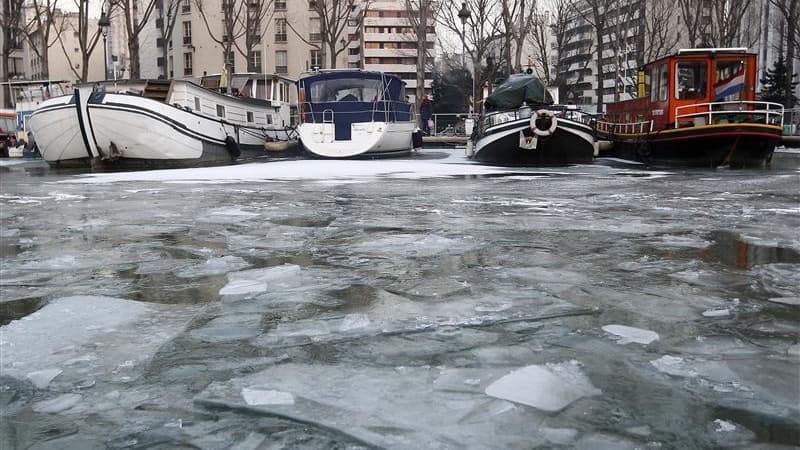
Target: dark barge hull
570, 143
732, 145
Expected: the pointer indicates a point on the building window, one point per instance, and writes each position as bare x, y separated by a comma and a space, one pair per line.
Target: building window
197, 103
312, 4
187, 33
316, 58
315, 30
269, 119
221, 111
254, 61
186, 6
187, 64
280, 5
250, 117
280, 31
281, 61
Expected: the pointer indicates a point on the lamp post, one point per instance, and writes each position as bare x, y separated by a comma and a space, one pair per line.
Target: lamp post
104, 23
463, 14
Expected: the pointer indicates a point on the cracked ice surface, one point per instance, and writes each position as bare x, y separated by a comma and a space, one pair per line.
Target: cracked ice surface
349, 304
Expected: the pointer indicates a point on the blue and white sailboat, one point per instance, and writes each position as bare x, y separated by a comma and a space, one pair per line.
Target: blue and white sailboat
347, 113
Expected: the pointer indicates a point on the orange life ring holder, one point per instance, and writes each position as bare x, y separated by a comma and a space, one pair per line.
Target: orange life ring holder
553, 122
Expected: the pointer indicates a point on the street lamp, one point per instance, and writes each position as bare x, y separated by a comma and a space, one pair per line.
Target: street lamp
463, 14
104, 23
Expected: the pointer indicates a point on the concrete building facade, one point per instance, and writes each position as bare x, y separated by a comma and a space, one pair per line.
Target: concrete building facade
623, 43
389, 44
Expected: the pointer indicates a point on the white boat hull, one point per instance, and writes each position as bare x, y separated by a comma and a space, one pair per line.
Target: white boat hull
367, 139
130, 130
56, 128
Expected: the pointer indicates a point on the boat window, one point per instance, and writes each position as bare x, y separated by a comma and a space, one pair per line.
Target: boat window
250, 116
653, 79
220, 111
8, 124
197, 103
691, 78
663, 83
346, 89
729, 80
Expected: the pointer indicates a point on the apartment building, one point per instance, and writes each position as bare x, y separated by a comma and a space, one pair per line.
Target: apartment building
623, 43
286, 41
64, 55
389, 44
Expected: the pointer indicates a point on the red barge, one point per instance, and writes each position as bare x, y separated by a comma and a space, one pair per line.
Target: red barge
696, 108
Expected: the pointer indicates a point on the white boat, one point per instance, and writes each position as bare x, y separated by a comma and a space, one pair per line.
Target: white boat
347, 113
160, 123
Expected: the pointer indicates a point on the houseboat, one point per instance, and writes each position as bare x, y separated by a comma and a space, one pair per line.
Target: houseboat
695, 108
522, 127
350, 113
162, 123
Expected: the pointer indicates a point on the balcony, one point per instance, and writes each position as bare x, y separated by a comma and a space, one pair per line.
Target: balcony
315, 37
187, 40
280, 5
282, 70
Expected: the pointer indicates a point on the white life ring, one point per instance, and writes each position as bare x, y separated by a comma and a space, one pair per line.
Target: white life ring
553, 122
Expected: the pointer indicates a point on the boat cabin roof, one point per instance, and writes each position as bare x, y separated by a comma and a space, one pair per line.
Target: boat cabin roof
351, 85
695, 53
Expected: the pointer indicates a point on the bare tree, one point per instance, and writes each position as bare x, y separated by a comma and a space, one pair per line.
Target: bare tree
726, 21
334, 16
10, 18
517, 17
38, 31
87, 41
547, 36
479, 34
661, 36
790, 10
168, 17
696, 26
596, 13
421, 16
240, 18
135, 21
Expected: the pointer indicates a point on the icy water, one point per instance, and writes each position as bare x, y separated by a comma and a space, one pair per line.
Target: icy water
422, 303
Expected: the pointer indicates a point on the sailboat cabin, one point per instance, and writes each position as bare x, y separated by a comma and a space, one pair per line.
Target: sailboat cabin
676, 90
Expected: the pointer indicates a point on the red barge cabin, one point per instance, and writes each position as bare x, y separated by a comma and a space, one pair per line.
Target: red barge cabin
695, 108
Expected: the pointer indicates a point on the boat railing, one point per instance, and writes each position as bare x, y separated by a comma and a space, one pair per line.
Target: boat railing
500, 117
625, 127
726, 112
381, 111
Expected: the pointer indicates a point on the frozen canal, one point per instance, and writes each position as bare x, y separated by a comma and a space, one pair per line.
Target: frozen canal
422, 303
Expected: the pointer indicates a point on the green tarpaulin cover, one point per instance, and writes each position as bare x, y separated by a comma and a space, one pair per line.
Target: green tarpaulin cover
518, 90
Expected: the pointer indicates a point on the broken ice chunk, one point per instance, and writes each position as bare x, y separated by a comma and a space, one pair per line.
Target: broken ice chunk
259, 396
256, 280
550, 388
716, 313
724, 426
631, 334
42, 378
58, 404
